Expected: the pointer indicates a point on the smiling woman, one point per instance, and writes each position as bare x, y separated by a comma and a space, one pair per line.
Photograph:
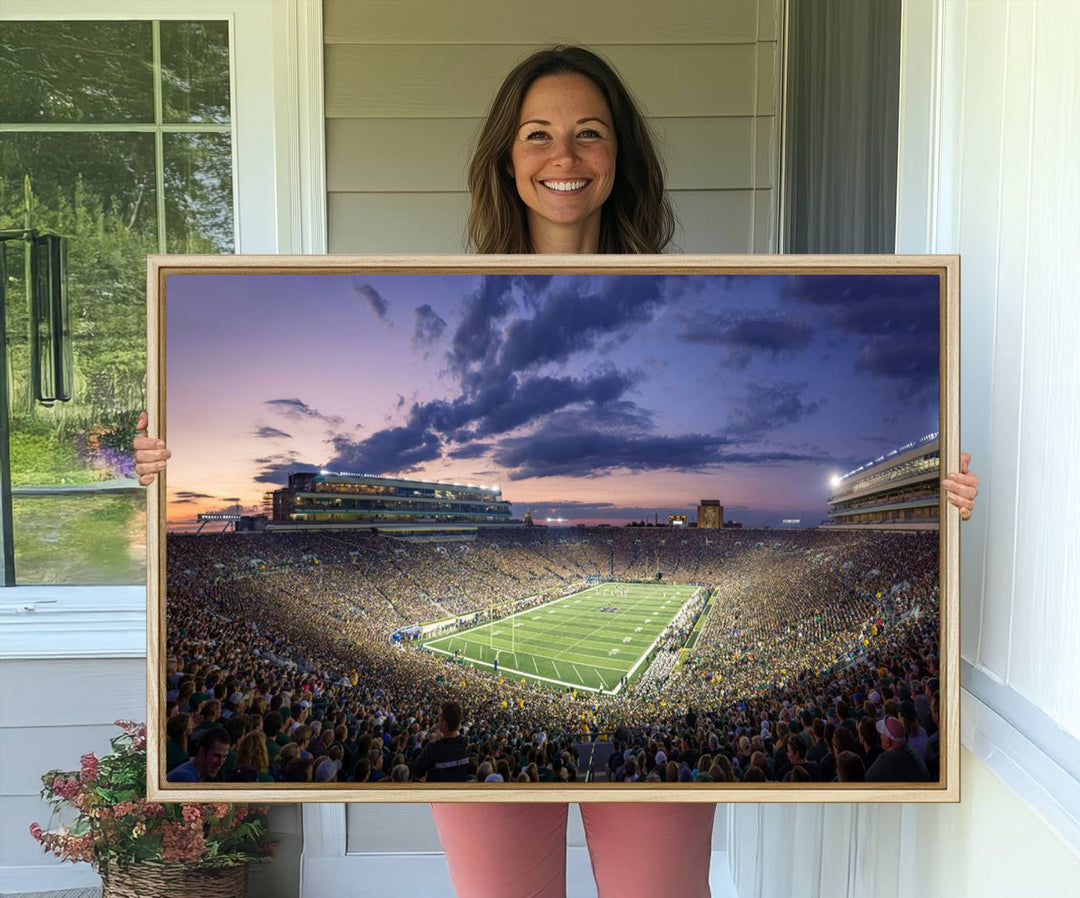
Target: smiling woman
563, 116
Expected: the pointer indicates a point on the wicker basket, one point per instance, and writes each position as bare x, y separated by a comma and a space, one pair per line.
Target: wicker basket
174, 881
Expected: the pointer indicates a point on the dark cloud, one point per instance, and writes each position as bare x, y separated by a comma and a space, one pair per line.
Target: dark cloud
473, 450
374, 301
276, 468
532, 287
896, 315
494, 360
548, 454
476, 338
296, 410
188, 497
537, 396
568, 316
620, 415
911, 296
908, 358
497, 408
577, 316
765, 407
271, 433
565, 506
430, 328
394, 450
745, 336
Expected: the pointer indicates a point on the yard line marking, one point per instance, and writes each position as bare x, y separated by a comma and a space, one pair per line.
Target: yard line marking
522, 673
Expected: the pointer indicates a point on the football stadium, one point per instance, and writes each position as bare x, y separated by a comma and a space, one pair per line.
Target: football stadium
577, 653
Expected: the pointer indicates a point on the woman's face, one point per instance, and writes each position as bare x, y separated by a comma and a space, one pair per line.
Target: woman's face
563, 155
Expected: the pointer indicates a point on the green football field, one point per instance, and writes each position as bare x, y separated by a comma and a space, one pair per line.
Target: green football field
588, 640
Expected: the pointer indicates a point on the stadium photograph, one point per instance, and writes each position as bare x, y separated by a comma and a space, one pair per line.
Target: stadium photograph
518, 532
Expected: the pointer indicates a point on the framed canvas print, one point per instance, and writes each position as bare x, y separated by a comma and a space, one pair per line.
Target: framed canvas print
588, 528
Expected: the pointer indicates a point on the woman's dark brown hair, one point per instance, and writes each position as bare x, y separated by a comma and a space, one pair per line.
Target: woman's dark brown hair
637, 216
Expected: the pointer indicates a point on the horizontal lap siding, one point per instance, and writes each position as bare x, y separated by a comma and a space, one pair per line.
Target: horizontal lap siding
478, 22
82, 698
427, 155
460, 80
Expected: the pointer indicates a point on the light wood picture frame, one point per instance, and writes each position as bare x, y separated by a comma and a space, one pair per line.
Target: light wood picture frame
345, 416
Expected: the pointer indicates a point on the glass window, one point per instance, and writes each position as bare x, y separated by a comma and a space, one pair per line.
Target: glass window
195, 72
67, 72
117, 136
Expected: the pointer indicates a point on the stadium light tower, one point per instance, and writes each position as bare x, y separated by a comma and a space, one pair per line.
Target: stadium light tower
835, 481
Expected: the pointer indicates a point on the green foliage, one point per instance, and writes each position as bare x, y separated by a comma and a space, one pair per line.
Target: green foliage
37, 457
100, 538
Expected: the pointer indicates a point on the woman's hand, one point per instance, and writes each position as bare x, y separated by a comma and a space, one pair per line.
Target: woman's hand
150, 454
961, 489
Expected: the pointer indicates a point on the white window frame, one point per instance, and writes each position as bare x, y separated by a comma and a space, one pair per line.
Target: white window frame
279, 168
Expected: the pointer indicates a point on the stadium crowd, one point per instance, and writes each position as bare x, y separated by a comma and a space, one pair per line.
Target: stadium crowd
817, 659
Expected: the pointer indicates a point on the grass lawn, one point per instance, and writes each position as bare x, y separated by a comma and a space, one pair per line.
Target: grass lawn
589, 640
81, 540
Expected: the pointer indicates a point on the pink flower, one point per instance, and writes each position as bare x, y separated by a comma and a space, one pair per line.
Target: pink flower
192, 814
37, 832
89, 768
65, 788
181, 842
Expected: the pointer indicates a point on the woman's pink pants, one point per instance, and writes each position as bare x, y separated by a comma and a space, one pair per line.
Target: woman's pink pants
512, 850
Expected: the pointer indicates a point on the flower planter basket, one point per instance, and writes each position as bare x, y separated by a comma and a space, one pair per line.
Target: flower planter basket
148, 849
174, 881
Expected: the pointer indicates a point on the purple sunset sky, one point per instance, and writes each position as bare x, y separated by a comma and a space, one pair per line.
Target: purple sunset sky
598, 398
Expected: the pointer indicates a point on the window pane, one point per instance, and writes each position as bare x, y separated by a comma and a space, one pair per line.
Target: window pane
98, 191
84, 539
198, 193
76, 72
195, 71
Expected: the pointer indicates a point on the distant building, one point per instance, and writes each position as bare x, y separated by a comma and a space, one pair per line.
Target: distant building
329, 499
710, 514
896, 491
528, 521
